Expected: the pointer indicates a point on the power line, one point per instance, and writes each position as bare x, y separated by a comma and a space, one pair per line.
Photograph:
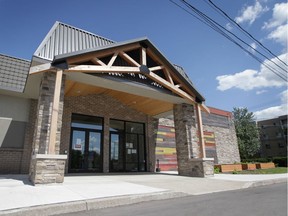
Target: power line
218, 28
243, 30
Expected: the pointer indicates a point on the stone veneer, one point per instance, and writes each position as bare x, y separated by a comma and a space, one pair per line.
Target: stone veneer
226, 144
227, 150
187, 144
47, 168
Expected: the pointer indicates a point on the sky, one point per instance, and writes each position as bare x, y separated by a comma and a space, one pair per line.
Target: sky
223, 73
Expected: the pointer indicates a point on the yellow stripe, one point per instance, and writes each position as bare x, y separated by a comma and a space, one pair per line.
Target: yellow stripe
163, 150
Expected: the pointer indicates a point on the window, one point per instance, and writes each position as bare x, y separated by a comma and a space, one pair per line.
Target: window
281, 145
88, 122
86, 153
268, 146
127, 146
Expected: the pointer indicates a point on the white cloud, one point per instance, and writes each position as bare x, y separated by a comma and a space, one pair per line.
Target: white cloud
251, 13
251, 79
254, 46
261, 92
229, 26
278, 24
280, 34
273, 112
279, 16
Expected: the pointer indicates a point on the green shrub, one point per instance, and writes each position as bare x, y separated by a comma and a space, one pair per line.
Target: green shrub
216, 170
280, 161
257, 160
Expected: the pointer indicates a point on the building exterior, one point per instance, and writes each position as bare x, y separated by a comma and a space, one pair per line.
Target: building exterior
219, 138
85, 103
273, 137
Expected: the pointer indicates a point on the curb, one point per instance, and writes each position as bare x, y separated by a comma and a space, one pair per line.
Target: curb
86, 205
265, 182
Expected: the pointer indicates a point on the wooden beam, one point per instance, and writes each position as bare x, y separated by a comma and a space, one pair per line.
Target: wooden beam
40, 68
200, 130
98, 61
143, 56
205, 108
112, 60
160, 67
168, 85
168, 76
103, 69
55, 112
102, 53
129, 59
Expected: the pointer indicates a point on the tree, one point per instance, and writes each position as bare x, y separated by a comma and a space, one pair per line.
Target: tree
247, 132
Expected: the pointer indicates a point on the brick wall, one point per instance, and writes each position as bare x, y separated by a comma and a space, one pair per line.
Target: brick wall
27, 149
108, 108
13, 160
10, 161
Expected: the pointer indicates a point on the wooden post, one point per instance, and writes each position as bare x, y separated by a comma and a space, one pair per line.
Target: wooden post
55, 111
143, 56
200, 130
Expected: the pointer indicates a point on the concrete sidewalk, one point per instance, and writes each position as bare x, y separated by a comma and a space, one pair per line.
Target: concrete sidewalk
79, 193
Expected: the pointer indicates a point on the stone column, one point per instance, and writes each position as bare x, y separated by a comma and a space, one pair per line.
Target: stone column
106, 145
152, 128
47, 166
189, 150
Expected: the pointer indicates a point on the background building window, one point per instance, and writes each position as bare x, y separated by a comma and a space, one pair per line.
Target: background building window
268, 146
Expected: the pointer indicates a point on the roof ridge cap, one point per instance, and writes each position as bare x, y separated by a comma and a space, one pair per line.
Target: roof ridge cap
14, 57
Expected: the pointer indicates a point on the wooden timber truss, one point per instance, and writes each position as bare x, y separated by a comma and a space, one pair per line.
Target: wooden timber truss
126, 61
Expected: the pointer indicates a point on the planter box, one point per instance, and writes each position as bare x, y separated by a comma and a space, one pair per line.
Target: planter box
249, 166
229, 167
265, 165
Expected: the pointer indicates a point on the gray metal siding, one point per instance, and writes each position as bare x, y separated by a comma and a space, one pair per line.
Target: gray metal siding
64, 38
13, 73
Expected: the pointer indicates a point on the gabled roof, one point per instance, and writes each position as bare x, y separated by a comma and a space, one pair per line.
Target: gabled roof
63, 38
64, 41
60, 60
13, 73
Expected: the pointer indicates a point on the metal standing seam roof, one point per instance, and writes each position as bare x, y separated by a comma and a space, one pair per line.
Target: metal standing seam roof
13, 73
63, 38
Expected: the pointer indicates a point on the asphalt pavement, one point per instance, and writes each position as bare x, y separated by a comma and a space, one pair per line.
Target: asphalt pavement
258, 201
81, 193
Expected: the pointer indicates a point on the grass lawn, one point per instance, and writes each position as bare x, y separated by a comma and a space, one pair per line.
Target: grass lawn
277, 170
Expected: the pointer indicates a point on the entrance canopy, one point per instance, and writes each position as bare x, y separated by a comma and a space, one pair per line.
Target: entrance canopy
134, 72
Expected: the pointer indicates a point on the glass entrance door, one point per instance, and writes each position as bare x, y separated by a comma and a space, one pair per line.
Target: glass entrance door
116, 152
127, 147
85, 152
